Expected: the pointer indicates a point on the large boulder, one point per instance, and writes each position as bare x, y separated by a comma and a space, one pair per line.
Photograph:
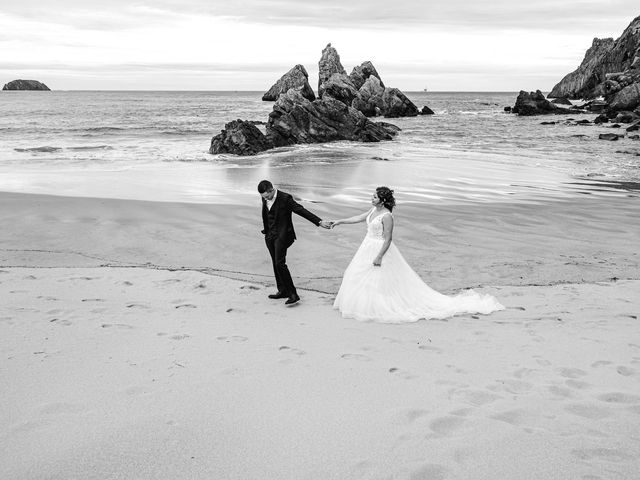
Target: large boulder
369, 99
240, 137
396, 104
627, 98
534, 103
295, 119
339, 86
361, 73
297, 77
328, 65
26, 85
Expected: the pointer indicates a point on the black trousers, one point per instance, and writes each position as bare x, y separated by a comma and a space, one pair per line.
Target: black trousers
278, 251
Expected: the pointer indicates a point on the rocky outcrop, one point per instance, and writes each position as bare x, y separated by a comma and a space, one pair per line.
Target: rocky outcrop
240, 138
604, 57
427, 111
626, 98
369, 98
396, 104
361, 73
587, 76
297, 77
328, 65
561, 101
295, 119
534, 103
339, 86
26, 85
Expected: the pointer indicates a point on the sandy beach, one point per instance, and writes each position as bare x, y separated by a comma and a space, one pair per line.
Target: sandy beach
137, 341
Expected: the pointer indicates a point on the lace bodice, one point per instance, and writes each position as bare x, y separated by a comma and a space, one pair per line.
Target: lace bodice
375, 229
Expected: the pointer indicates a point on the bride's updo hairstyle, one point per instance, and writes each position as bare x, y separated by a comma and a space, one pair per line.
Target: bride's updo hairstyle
385, 194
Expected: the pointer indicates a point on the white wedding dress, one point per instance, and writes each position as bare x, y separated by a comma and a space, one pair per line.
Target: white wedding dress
393, 292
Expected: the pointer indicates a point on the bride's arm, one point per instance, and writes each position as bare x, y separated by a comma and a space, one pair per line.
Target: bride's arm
357, 219
387, 222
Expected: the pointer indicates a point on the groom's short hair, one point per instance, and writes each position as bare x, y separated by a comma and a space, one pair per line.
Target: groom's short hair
264, 186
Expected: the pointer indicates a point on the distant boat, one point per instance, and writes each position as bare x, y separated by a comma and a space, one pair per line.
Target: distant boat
424, 89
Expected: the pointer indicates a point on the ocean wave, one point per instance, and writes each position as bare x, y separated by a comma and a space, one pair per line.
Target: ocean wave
89, 147
39, 149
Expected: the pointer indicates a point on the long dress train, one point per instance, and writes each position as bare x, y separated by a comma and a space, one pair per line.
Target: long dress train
393, 292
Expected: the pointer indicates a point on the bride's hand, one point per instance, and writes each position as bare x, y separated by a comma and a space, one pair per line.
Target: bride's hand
335, 224
377, 262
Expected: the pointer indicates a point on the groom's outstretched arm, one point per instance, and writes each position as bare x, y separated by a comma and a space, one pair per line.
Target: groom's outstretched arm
303, 212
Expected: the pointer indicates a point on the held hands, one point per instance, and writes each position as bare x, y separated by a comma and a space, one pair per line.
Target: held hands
326, 224
377, 261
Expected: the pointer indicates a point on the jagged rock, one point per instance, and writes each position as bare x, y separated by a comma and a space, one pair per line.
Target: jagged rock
561, 101
625, 117
297, 77
534, 103
240, 137
427, 111
339, 86
26, 85
507, 109
596, 106
604, 57
328, 65
627, 98
295, 119
601, 119
396, 104
548, 123
612, 137
587, 75
633, 128
369, 97
360, 74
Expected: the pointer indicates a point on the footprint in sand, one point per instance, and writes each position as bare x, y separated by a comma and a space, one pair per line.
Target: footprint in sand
293, 351
430, 471
511, 386
625, 371
355, 356
618, 397
560, 391
591, 412
600, 363
447, 425
232, 338
116, 325
414, 414
61, 321
402, 373
577, 384
249, 287
517, 417
476, 397
186, 305
93, 300
524, 373
430, 348
179, 337
137, 305
48, 299
609, 454
126, 283
30, 277
135, 390
571, 372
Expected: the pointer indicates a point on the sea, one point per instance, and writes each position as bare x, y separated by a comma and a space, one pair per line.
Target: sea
147, 145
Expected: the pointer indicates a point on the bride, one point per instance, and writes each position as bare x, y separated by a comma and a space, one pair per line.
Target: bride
379, 285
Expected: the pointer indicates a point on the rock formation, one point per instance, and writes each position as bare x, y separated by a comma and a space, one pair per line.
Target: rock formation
604, 57
534, 103
295, 119
396, 104
26, 85
241, 138
297, 77
328, 65
339, 86
369, 97
361, 73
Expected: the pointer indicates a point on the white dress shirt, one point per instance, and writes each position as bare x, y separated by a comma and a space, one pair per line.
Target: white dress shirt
272, 201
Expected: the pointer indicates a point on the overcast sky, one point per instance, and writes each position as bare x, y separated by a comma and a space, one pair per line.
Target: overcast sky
458, 45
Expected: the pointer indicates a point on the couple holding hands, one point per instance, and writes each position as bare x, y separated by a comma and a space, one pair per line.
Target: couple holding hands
378, 285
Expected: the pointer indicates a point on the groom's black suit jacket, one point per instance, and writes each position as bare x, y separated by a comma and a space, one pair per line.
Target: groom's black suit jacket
277, 221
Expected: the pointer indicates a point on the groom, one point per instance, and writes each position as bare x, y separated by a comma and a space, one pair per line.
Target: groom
279, 234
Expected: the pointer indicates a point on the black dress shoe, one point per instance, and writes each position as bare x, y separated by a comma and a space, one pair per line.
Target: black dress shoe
279, 295
292, 299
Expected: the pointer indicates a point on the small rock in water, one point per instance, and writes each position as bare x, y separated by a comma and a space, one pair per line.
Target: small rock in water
609, 136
